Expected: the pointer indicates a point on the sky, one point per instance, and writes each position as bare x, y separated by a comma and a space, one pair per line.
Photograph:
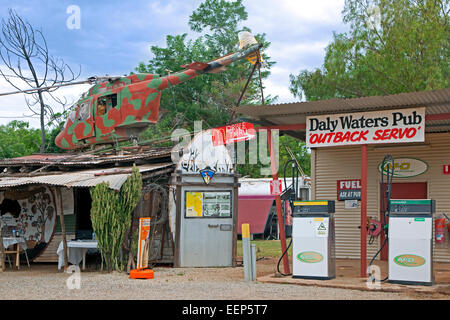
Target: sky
113, 37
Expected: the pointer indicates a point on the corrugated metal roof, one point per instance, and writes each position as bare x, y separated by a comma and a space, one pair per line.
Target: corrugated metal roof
84, 159
86, 178
435, 101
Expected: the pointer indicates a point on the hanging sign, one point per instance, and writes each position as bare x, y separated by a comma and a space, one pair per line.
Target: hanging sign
349, 189
144, 242
275, 187
387, 126
233, 133
405, 167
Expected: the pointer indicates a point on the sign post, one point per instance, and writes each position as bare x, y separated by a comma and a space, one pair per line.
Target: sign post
142, 271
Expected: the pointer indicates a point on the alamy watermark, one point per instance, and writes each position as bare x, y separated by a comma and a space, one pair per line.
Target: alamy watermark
254, 151
74, 281
374, 282
74, 19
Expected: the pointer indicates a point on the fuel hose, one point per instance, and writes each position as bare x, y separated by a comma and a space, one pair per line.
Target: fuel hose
387, 167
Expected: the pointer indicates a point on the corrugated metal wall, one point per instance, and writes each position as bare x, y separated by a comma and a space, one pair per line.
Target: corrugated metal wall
338, 163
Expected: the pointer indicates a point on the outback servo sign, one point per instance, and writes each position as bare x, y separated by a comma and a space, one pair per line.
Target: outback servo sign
387, 126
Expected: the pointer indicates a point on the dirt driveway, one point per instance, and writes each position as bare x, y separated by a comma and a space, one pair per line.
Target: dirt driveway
43, 281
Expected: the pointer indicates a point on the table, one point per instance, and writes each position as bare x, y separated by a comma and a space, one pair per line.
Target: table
76, 251
17, 241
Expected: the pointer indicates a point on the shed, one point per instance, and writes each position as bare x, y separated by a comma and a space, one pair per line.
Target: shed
44, 179
361, 160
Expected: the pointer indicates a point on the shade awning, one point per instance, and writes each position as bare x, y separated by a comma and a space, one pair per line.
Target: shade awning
436, 103
115, 177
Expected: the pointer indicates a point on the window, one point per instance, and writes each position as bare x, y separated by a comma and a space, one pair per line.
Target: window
208, 204
85, 111
106, 103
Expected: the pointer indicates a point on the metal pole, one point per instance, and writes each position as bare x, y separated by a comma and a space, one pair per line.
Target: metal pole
363, 210
278, 205
253, 261
246, 254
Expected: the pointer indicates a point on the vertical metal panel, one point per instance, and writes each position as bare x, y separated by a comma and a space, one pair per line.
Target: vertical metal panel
205, 242
331, 164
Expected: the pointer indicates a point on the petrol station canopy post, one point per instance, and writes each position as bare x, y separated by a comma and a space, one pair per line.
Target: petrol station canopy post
291, 119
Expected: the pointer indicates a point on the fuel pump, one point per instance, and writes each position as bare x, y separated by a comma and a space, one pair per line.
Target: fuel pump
411, 241
314, 240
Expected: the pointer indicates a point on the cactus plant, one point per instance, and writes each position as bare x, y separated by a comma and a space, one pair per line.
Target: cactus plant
111, 217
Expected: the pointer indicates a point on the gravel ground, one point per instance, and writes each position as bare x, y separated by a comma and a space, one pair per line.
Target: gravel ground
44, 282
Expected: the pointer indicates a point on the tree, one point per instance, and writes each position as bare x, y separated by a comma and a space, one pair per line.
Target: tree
209, 97
24, 52
393, 46
18, 139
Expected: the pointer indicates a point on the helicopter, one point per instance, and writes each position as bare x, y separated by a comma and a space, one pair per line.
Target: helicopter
120, 108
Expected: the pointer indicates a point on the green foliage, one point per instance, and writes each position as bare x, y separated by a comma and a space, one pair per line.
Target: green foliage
111, 217
393, 46
18, 139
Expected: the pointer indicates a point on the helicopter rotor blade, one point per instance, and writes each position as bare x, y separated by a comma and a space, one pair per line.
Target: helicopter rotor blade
90, 80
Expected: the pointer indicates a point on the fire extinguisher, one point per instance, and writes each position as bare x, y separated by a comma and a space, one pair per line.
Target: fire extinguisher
439, 230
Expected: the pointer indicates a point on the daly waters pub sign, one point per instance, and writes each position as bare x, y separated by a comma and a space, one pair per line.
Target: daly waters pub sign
387, 126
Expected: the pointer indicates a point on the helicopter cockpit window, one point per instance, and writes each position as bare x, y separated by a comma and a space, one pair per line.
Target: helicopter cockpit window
106, 103
72, 115
84, 111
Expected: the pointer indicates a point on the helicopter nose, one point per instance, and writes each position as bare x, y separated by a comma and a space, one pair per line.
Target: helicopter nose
58, 140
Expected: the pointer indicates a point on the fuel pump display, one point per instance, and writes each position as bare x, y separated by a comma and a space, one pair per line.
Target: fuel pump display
411, 241
313, 240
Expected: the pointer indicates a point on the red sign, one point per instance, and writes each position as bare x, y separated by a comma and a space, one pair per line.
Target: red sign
446, 169
349, 189
275, 187
387, 126
233, 133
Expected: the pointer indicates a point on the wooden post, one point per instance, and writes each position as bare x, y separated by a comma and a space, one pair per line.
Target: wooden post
177, 219
363, 211
2, 253
63, 229
278, 205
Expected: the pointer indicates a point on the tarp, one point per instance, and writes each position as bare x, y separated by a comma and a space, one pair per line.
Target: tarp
254, 210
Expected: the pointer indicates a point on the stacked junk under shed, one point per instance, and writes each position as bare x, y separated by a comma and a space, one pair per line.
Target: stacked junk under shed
37, 191
45, 201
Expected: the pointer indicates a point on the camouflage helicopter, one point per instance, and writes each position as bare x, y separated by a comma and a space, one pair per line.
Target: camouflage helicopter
119, 108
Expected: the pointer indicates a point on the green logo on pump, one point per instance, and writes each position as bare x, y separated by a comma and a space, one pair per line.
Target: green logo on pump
310, 257
409, 260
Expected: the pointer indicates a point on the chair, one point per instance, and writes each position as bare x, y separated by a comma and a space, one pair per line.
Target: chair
87, 235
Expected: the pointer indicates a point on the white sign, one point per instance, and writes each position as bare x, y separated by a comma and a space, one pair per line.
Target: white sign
405, 167
387, 126
320, 225
351, 204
